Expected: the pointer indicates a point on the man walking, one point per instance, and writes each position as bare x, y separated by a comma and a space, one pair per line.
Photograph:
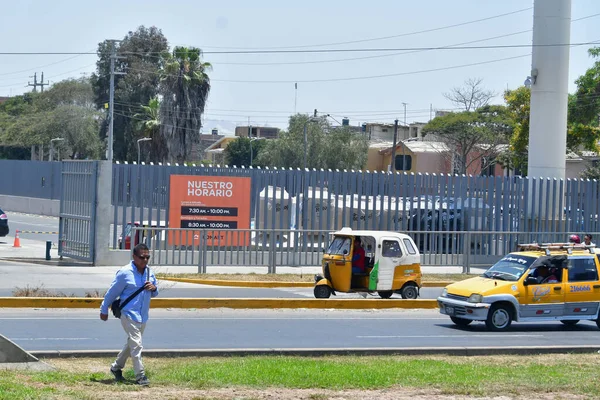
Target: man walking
134, 314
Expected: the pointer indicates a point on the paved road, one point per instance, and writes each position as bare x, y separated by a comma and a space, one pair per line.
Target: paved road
78, 281
37, 330
28, 222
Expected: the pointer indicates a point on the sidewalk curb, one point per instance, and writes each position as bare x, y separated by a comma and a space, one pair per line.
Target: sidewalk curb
202, 303
270, 284
315, 352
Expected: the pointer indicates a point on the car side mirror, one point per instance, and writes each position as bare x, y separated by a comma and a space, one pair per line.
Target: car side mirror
530, 280
345, 252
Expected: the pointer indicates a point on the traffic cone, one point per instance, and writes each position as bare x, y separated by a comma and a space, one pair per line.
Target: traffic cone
17, 242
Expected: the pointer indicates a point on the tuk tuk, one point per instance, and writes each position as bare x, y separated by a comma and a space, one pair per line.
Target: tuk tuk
392, 264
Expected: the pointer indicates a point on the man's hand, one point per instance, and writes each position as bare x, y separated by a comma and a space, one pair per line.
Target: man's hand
103, 317
149, 286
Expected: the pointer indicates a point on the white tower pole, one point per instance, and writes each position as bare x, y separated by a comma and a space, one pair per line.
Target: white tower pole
549, 89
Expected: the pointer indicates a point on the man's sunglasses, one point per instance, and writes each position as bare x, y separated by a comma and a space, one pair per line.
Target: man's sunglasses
143, 257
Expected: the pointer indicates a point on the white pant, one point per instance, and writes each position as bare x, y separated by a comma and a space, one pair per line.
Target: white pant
132, 348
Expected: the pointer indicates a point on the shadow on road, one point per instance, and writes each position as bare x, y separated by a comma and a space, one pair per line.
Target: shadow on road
558, 327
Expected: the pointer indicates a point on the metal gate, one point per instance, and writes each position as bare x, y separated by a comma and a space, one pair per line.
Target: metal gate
78, 210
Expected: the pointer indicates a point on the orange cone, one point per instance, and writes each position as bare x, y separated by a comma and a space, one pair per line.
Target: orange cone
17, 242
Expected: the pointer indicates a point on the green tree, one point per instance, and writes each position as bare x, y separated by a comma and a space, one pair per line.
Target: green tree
472, 136
149, 126
139, 59
238, 151
184, 87
65, 111
326, 146
518, 106
584, 109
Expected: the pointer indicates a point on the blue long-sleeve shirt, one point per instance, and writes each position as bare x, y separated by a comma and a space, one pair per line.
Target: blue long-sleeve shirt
127, 280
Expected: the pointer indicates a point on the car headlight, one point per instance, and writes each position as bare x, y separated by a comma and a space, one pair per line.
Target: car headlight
445, 292
475, 298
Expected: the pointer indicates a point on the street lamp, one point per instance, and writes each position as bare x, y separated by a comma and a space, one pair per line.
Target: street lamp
251, 151
146, 139
311, 119
58, 139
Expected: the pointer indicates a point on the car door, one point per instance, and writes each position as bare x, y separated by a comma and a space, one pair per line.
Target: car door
543, 300
583, 288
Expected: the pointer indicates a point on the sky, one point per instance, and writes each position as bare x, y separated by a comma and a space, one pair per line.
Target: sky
362, 86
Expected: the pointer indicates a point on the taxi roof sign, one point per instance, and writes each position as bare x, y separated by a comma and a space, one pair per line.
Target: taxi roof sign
569, 247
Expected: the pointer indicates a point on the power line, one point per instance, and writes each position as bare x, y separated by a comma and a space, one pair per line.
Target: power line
387, 55
41, 66
351, 78
383, 37
491, 47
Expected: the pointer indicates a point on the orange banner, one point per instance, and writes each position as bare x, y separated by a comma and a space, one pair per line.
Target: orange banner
209, 203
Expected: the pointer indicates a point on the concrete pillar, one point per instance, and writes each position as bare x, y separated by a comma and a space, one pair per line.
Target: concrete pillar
103, 212
549, 89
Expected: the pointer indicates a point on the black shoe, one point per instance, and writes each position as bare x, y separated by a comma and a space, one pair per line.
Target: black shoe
143, 381
118, 374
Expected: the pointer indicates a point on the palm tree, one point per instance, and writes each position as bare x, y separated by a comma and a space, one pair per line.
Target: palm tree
149, 126
184, 88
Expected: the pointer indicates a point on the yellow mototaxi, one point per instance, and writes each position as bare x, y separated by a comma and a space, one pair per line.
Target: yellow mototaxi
392, 265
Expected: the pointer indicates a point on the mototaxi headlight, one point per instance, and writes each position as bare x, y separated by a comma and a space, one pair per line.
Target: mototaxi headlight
445, 292
475, 298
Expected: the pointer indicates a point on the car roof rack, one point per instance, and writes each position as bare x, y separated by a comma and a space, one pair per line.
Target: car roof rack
569, 247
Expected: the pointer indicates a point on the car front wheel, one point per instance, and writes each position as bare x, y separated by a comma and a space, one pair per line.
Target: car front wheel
499, 318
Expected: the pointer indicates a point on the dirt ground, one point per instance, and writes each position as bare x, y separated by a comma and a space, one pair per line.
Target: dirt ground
306, 394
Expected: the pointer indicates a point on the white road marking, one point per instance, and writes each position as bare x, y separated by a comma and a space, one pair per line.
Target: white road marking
232, 318
444, 336
66, 339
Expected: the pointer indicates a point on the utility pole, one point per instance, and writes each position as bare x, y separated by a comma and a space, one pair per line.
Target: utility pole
403, 144
42, 84
111, 105
295, 96
111, 101
393, 161
36, 84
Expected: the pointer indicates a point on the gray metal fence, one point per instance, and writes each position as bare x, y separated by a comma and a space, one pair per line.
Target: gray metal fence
40, 179
78, 210
320, 201
259, 248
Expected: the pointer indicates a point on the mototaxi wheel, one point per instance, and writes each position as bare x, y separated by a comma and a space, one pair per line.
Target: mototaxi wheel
409, 292
322, 292
385, 294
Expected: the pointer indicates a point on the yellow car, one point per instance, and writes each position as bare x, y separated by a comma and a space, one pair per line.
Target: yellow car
540, 282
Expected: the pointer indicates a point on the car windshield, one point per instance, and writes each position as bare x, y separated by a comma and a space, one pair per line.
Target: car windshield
339, 245
510, 268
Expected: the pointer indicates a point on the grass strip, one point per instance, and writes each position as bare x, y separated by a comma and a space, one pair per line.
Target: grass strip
566, 376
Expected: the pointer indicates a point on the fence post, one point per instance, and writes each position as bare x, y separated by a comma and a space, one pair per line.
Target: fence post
201, 253
272, 241
467, 253
204, 251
